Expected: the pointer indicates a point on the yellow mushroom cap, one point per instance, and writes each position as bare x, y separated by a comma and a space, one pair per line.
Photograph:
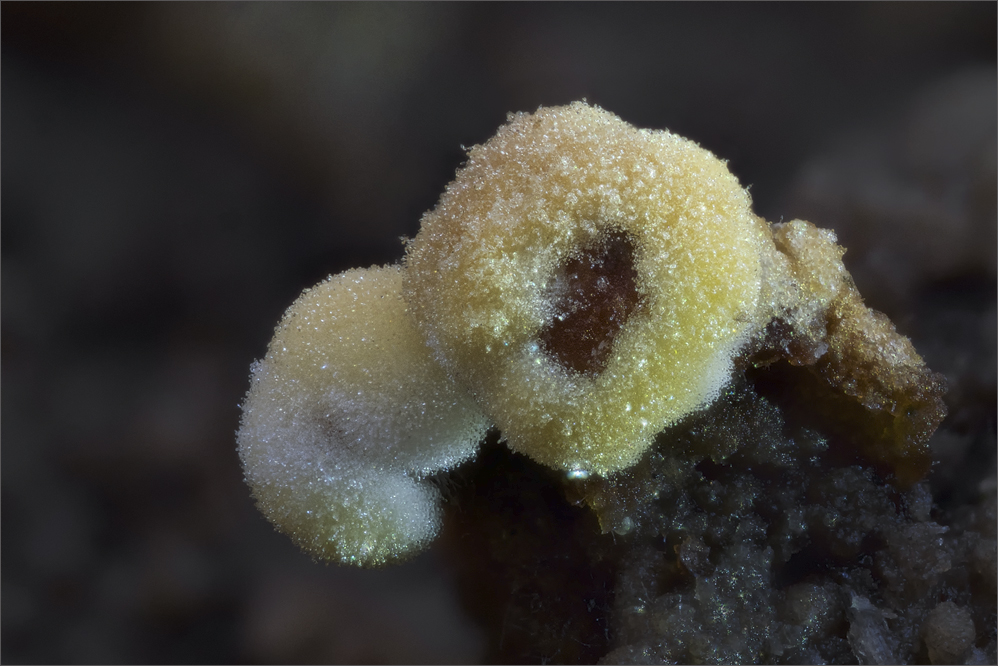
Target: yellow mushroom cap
588, 281
345, 415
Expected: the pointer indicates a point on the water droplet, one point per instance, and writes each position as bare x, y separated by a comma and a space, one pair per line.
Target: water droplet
625, 526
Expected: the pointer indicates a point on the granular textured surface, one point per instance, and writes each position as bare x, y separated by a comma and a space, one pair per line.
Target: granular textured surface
752, 542
577, 391
743, 536
949, 633
345, 415
872, 384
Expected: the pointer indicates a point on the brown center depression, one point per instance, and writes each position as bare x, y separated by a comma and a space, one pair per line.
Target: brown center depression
592, 296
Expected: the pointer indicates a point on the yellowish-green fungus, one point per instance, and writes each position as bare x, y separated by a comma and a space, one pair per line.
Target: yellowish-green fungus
582, 285
345, 415
589, 282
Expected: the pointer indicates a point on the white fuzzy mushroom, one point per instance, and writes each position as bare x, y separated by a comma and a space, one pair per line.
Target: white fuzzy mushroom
346, 416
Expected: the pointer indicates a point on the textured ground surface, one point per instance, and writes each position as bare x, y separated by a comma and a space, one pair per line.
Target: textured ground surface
174, 175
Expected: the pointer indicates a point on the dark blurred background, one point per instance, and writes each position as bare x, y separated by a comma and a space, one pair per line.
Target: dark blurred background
173, 175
